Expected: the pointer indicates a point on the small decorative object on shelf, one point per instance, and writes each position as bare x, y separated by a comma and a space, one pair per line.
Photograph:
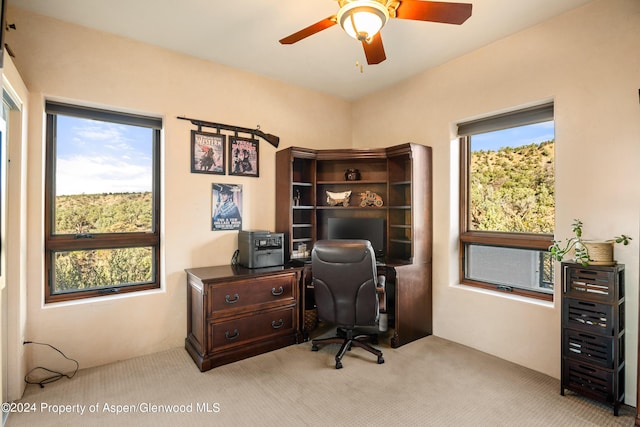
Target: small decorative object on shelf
296, 198
369, 198
352, 175
342, 197
301, 251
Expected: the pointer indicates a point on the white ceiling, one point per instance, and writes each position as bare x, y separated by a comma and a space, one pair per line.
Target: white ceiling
244, 34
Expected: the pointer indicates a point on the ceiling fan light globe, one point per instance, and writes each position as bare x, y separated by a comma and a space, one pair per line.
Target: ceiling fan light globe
362, 19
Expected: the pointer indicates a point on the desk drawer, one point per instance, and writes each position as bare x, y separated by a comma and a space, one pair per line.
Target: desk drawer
252, 327
256, 290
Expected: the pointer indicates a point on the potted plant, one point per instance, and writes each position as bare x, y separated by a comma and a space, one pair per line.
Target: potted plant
586, 252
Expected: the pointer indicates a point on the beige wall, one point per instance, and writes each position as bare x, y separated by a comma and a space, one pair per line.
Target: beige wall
586, 61
15, 215
73, 63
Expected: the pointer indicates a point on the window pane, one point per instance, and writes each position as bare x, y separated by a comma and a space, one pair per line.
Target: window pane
102, 268
102, 210
511, 186
103, 177
518, 268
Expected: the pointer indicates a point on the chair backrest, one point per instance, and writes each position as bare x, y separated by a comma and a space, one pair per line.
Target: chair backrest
344, 280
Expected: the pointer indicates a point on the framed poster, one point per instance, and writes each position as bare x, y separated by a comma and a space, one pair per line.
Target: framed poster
226, 207
243, 156
207, 152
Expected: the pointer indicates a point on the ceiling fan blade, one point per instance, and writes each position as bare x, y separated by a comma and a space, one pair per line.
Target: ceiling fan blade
310, 30
434, 11
374, 51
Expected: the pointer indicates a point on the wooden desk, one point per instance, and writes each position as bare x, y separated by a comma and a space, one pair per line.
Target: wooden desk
409, 300
235, 312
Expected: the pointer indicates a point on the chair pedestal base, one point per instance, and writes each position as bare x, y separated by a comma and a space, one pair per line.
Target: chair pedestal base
347, 338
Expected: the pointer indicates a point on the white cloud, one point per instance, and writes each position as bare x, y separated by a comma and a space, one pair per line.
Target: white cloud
90, 175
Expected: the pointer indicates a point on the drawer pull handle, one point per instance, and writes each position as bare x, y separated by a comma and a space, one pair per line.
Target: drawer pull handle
235, 299
277, 325
235, 335
278, 292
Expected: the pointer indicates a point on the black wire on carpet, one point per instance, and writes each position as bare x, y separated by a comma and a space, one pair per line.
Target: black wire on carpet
56, 375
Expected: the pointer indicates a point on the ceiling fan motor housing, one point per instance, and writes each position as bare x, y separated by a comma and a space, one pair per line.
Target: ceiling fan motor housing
362, 19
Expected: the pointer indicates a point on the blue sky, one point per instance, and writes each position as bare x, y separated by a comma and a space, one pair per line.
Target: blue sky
514, 137
99, 157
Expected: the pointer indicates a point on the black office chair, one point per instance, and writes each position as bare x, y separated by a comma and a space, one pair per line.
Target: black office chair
346, 287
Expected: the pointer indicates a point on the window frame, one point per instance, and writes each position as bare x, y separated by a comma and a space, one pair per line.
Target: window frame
70, 242
535, 241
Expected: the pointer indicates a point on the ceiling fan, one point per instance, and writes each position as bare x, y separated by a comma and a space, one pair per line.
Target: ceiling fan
363, 19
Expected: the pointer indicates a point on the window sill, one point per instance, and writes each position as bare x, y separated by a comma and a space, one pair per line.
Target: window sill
102, 298
510, 296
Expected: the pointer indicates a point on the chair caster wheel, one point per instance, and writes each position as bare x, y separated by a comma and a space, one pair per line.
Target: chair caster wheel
380, 360
338, 365
314, 348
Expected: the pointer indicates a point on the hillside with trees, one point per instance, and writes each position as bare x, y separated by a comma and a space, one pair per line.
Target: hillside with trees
512, 189
103, 213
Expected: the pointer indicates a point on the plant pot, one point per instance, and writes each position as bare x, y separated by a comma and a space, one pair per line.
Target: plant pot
600, 253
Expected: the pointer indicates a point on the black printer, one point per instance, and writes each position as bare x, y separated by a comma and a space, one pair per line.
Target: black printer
260, 248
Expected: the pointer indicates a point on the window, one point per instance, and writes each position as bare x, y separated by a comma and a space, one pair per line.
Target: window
102, 202
507, 204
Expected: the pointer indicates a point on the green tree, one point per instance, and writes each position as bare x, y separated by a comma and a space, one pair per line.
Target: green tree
103, 213
512, 189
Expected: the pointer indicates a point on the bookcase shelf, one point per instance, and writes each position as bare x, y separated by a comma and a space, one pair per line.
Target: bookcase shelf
345, 208
352, 183
405, 241
306, 239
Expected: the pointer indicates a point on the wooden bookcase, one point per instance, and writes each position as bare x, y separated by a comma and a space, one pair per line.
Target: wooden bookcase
401, 175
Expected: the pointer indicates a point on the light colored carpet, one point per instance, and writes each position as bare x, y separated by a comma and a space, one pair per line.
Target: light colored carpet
430, 382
